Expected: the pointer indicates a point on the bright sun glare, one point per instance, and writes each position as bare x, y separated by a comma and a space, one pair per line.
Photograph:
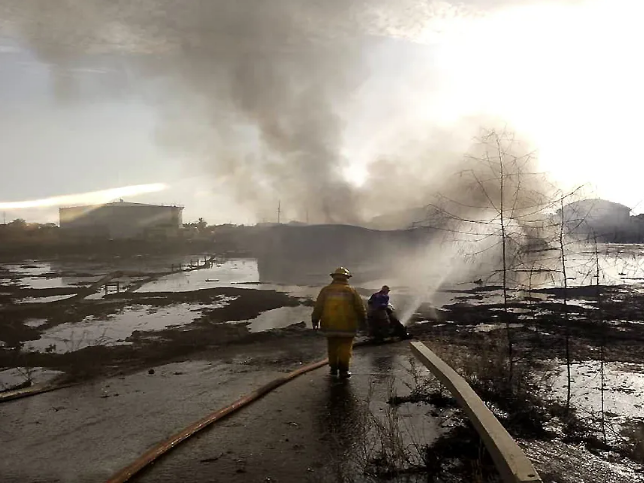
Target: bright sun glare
566, 76
92, 198
356, 174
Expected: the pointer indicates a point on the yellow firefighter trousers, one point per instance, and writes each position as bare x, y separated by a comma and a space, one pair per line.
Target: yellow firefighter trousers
340, 352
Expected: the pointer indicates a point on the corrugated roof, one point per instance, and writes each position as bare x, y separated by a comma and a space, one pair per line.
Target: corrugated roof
122, 204
127, 203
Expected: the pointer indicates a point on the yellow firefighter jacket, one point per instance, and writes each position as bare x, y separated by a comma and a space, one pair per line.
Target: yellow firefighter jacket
340, 310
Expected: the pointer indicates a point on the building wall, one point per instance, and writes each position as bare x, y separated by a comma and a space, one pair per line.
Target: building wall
119, 221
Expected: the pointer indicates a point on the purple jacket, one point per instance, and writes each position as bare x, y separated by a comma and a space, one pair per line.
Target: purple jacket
379, 300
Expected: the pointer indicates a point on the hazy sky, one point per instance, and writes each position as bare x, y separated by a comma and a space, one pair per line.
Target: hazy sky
566, 75
48, 148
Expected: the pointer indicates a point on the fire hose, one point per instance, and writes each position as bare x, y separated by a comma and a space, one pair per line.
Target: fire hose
173, 441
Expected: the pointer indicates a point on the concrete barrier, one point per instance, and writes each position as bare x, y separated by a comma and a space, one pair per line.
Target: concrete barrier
512, 463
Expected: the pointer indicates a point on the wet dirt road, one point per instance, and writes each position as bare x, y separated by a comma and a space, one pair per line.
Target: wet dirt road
86, 433
312, 429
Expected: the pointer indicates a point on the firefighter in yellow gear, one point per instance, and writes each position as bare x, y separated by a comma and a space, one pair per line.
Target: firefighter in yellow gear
339, 311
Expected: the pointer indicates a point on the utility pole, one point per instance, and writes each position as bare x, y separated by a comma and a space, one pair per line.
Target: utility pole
4, 217
279, 211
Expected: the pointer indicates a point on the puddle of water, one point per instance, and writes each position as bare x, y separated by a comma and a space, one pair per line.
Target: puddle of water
524, 294
228, 274
491, 327
115, 329
280, 318
12, 377
576, 464
581, 303
35, 323
28, 269
41, 282
623, 386
31, 274
618, 323
522, 311
43, 300
81, 281
141, 264
297, 291
66, 282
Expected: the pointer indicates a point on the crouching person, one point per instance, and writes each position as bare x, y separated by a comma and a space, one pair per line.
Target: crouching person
339, 311
378, 315
382, 318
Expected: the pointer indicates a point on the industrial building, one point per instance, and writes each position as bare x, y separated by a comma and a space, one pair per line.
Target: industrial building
121, 220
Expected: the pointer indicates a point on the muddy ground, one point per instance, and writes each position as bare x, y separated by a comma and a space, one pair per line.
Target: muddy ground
598, 329
539, 326
593, 317
605, 322
213, 327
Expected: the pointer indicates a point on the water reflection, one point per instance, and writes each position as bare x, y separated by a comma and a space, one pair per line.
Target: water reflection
228, 274
113, 329
341, 424
383, 365
280, 318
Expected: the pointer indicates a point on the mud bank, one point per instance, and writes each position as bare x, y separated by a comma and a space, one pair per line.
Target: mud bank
124, 331
599, 328
591, 317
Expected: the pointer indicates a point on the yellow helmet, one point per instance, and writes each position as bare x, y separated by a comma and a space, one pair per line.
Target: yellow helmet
341, 272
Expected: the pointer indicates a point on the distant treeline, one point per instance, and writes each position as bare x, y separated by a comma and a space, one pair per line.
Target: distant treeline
21, 240
629, 231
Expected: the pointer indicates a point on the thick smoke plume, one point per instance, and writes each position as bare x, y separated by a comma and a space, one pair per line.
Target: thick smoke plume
260, 91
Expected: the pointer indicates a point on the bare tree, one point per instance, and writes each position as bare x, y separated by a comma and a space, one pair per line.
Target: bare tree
499, 209
564, 273
602, 341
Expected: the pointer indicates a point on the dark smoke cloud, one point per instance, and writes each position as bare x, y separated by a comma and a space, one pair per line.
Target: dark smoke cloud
257, 89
